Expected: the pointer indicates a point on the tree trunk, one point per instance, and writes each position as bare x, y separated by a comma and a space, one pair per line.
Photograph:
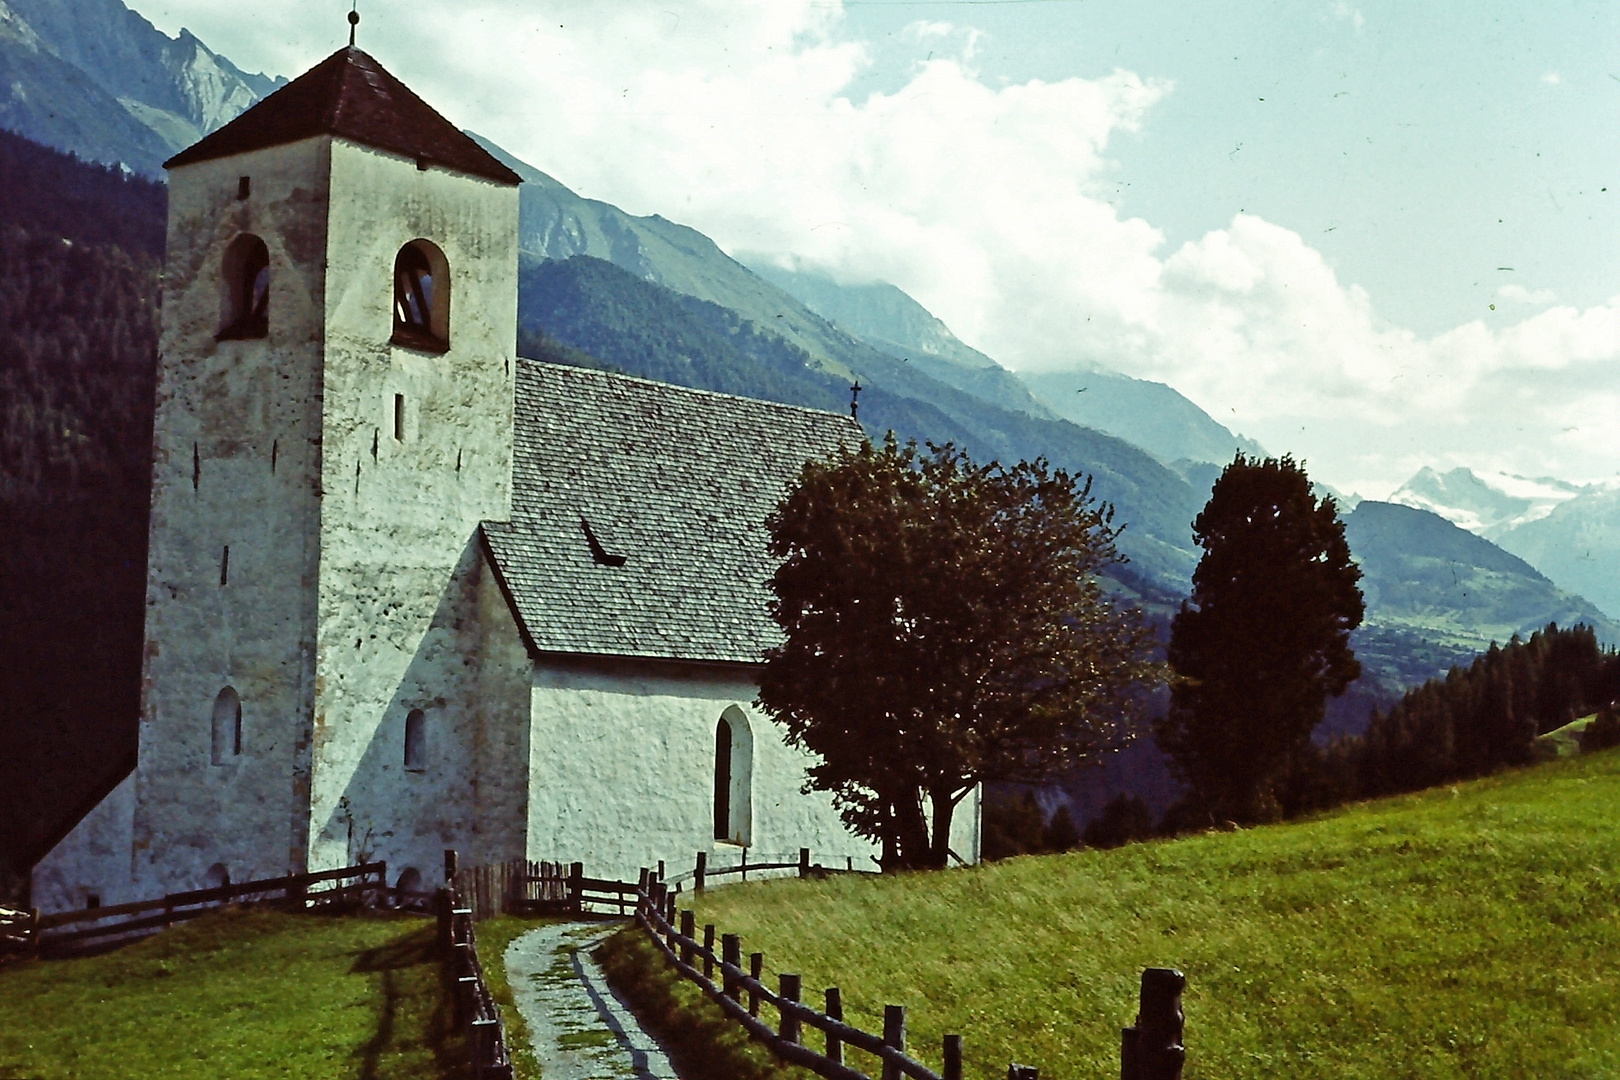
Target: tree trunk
944, 807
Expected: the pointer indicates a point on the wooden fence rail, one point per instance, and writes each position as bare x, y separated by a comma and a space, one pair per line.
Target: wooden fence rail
35, 933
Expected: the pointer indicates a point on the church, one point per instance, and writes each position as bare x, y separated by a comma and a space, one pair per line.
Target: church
407, 591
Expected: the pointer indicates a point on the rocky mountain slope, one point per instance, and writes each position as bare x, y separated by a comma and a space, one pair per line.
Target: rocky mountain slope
1491, 504
96, 79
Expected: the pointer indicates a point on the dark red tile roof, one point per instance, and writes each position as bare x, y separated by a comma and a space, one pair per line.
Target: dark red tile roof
351, 95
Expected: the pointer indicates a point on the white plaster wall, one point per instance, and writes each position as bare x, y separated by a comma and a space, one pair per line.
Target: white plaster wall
93, 858
236, 461
621, 767
399, 575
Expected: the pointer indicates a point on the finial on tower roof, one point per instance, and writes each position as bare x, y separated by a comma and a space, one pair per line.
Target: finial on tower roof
854, 398
354, 21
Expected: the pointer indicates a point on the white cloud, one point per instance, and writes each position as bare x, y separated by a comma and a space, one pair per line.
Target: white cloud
1552, 78
1520, 294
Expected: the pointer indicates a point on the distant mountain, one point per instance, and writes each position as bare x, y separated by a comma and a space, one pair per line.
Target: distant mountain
1152, 415
1577, 545
96, 79
648, 329
1424, 575
1491, 504
890, 321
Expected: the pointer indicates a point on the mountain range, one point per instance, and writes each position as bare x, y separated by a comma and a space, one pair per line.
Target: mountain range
94, 78
1569, 532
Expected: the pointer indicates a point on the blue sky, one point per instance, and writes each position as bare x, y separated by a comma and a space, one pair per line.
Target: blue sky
1377, 235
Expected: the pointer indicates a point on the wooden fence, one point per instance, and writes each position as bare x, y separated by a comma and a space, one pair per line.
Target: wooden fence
44, 934
1149, 1050
475, 1010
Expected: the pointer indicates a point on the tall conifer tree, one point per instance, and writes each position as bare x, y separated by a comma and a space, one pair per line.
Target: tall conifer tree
1263, 641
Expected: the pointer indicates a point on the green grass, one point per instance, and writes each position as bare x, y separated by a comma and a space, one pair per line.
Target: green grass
242, 994
494, 935
1469, 931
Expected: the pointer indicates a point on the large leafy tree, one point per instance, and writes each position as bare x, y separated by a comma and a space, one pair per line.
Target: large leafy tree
1264, 640
944, 626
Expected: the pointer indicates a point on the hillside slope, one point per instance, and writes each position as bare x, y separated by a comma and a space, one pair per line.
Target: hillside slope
1464, 932
94, 78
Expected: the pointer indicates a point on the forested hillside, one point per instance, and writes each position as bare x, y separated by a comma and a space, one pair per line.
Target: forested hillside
78, 342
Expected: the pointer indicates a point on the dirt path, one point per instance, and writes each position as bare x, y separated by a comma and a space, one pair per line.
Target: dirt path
579, 1027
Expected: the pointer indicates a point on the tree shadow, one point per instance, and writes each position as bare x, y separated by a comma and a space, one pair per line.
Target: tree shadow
393, 963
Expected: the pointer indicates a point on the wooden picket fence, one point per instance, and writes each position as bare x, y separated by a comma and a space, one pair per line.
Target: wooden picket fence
30, 933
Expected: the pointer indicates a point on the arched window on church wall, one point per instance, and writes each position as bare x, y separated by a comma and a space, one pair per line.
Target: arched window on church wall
415, 741
227, 727
245, 277
422, 297
733, 778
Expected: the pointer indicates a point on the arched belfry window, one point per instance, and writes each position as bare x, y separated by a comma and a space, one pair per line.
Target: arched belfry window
422, 297
733, 778
227, 739
415, 741
245, 271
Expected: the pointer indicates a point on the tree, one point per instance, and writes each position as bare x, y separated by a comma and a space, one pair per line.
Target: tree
1263, 641
944, 627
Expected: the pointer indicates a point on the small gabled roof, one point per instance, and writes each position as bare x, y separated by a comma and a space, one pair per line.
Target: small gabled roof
350, 95
638, 514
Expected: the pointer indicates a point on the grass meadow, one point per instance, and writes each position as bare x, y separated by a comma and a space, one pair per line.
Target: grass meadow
1468, 931
245, 994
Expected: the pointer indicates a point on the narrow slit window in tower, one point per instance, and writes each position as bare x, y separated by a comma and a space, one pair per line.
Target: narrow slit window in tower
415, 741
227, 727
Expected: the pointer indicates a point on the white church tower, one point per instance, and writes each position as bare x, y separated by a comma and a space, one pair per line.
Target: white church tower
334, 419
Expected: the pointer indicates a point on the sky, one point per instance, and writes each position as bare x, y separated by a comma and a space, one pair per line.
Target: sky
1377, 236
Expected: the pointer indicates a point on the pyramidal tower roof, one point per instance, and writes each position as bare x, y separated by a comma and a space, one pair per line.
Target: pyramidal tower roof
351, 95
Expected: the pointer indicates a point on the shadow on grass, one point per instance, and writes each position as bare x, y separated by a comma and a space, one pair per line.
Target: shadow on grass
407, 968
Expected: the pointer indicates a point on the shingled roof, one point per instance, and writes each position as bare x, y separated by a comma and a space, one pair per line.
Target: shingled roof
351, 95
638, 513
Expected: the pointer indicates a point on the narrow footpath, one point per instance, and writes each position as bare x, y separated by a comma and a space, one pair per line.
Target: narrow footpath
580, 1028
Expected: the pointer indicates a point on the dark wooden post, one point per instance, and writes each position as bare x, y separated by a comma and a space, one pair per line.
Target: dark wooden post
450, 866
756, 968
660, 869
576, 887
953, 1058
789, 991
1023, 1072
669, 921
688, 928
745, 864
835, 1011
1152, 1049
894, 1034
701, 871
804, 862
708, 950
730, 953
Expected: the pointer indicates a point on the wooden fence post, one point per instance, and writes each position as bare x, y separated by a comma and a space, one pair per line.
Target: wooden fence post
952, 1053
688, 928
804, 862
660, 869
894, 1034
1152, 1049
450, 866
701, 871
730, 953
756, 968
835, 1011
708, 951
576, 887
789, 991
